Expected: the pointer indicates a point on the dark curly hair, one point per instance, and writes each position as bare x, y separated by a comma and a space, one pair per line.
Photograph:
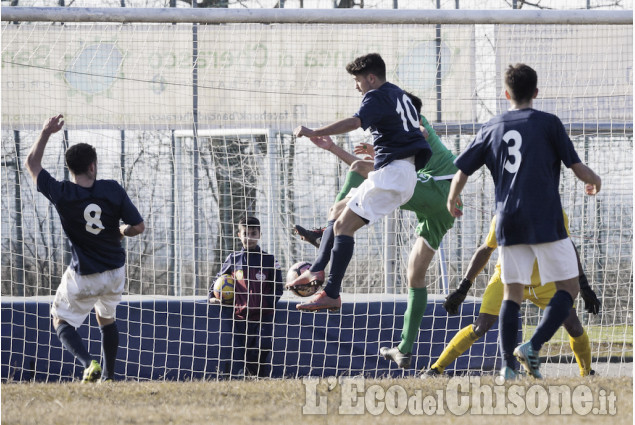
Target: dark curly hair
371, 63
79, 157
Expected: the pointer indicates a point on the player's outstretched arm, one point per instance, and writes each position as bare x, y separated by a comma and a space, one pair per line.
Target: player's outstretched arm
338, 127
326, 143
593, 182
34, 158
454, 201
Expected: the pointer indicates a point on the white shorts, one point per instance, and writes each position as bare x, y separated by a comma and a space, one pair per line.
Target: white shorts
384, 190
77, 295
556, 261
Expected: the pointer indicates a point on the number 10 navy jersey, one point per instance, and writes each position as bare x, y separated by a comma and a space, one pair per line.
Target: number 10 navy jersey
394, 124
523, 150
90, 218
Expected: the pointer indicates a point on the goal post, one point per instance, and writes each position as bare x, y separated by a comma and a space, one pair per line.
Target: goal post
198, 127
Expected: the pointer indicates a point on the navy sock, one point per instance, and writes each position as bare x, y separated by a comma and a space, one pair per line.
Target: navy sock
342, 253
326, 245
109, 346
508, 332
555, 314
71, 340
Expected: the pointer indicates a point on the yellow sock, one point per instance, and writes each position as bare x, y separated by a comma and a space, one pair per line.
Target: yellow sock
457, 346
581, 347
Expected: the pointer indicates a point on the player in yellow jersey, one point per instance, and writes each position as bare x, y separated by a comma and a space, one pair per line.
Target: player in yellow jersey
491, 303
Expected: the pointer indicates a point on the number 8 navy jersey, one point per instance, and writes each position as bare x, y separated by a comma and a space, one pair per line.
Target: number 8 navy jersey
523, 150
90, 218
394, 124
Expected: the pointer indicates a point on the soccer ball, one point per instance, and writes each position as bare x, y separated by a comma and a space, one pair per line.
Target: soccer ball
305, 290
224, 288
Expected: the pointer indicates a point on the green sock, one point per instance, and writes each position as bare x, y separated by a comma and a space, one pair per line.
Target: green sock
417, 303
353, 179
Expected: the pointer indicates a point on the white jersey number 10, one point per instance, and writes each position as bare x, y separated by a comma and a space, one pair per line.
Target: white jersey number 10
405, 111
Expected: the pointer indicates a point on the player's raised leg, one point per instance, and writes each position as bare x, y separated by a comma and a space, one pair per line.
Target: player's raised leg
316, 272
343, 246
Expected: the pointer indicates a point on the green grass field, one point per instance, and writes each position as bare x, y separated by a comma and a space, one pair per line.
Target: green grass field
281, 402
606, 341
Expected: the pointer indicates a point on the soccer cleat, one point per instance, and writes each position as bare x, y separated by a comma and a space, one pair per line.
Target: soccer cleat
529, 359
431, 373
321, 302
314, 236
92, 373
402, 360
307, 276
508, 373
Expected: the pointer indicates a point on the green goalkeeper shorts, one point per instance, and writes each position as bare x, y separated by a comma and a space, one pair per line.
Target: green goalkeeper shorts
429, 204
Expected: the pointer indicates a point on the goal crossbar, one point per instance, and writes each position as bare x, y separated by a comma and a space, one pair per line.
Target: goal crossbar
325, 16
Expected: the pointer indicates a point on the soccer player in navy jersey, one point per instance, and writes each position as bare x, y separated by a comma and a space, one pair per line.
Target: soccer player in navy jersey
434, 221
400, 149
523, 149
90, 211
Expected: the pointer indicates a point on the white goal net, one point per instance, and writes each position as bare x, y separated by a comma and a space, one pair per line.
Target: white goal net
196, 123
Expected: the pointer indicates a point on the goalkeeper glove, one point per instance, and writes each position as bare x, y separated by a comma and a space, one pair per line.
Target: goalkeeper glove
591, 302
454, 300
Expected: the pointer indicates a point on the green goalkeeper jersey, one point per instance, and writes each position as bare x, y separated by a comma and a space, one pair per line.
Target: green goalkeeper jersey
441, 164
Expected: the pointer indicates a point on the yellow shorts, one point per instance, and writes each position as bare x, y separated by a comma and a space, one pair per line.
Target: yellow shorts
493, 296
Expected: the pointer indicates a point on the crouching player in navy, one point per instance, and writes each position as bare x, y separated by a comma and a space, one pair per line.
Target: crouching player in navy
247, 329
90, 211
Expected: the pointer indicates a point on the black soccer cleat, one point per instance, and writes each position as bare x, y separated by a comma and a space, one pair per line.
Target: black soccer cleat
431, 373
314, 236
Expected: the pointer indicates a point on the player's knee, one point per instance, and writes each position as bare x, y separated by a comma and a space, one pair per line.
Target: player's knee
571, 286
361, 167
57, 323
572, 324
336, 209
104, 321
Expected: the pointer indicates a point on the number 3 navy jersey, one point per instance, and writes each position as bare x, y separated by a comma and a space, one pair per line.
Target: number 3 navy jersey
90, 218
523, 150
394, 124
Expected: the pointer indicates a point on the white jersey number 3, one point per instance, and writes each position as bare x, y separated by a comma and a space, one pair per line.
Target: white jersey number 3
405, 111
513, 150
92, 215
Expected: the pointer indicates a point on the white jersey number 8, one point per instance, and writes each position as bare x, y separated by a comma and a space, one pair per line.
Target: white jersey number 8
92, 215
405, 110
514, 150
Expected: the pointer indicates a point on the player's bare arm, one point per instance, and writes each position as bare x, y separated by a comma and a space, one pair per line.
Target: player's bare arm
454, 200
479, 261
326, 143
34, 158
130, 231
593, 182
338, 127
